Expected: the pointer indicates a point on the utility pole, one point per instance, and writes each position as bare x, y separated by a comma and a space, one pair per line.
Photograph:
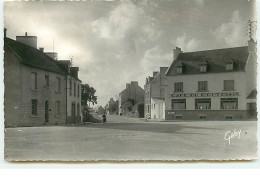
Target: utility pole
250, 29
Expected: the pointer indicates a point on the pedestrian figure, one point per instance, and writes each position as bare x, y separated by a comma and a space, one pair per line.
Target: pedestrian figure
104, 118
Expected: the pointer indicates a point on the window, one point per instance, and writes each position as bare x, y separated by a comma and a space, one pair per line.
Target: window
78, 90
57, 85
179, 104
70, 87
203, 68
78, 110
229, 85
34, 107
229, 103
201, 104
229, 66
202, 85
57, 107
34, 81
47, 81
74, 89
179, 69
178, 87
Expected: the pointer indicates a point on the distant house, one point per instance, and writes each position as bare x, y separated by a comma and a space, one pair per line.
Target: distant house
130, 98
35, 85
215, 84
155, 95
112, 106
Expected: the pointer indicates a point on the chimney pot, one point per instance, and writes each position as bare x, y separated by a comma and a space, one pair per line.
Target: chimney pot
41, 49
5, 30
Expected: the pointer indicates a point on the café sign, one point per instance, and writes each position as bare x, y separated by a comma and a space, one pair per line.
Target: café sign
205, 94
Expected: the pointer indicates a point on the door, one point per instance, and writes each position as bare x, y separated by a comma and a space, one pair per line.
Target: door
46, 111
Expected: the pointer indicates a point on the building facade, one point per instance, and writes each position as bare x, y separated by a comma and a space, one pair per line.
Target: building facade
130, 98
155, 95
212, 85
34, 85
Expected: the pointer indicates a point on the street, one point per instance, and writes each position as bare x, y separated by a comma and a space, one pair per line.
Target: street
134, 139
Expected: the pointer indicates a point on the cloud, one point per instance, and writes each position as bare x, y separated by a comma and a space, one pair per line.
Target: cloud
187, 44
232, 32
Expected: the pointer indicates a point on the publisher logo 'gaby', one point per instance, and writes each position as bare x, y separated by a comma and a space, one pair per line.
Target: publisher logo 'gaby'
232, 135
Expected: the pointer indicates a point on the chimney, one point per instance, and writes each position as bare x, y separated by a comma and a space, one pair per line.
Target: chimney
41, 49
28, 40
74, 72
5, 30
53, 55
128, 86
176, 53
134, 83
155, 73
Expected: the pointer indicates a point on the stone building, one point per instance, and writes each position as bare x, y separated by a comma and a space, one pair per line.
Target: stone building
130, 98
35, 85
215, 84
155, 95
73, 100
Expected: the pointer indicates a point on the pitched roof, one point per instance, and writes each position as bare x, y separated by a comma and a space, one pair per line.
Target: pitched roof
32, 56
215, 59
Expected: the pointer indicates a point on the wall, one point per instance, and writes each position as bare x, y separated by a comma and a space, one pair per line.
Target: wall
76, 99
42, 94
157, 109
215, 85
12, 83
251, 74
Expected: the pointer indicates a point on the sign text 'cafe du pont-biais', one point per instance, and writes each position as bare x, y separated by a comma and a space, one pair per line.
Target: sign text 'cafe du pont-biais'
204, 94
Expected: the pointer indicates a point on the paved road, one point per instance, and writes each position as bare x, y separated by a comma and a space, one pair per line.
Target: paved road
132, 139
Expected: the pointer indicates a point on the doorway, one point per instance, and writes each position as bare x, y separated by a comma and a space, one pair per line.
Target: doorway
46, 111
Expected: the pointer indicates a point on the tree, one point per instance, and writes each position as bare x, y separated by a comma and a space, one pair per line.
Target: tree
88, 95
140, 110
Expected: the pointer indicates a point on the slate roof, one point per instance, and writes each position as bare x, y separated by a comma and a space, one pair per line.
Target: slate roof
215, 59
32, 56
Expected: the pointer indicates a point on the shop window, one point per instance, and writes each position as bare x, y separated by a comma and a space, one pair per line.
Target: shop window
201, 104
229, 103
229, 85
203, 117
178, 87
202, 85
179, 104
229, 66
228, 117
34, 107
178, 116
34, 81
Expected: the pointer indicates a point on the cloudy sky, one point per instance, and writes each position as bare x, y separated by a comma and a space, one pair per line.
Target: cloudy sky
116, 42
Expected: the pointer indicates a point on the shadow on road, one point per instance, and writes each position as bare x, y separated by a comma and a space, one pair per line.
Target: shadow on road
148, 127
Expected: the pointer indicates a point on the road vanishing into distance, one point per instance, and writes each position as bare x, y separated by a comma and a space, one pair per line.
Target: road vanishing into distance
133, 139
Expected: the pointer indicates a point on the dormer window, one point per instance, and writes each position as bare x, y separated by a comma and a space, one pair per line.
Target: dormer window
229, 66
179, 69
203, 68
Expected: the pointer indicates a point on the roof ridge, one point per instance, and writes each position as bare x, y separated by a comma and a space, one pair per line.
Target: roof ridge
214, 49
